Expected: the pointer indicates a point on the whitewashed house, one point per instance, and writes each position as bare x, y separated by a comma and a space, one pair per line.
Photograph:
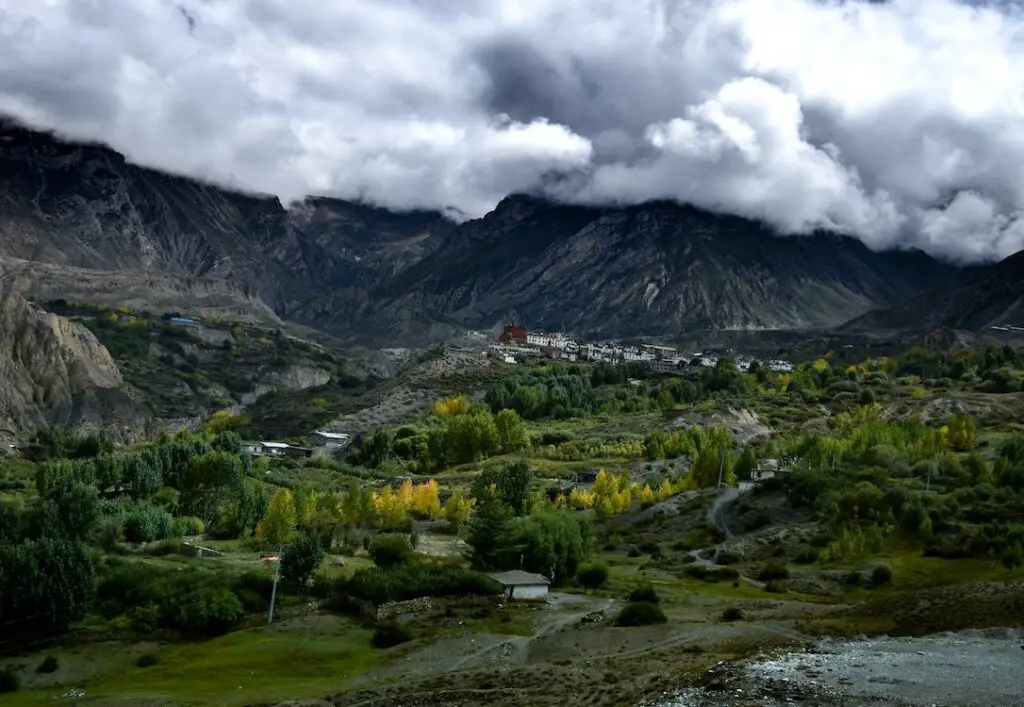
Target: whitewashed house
523, 586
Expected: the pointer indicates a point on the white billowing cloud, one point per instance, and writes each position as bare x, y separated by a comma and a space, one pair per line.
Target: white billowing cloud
899, 122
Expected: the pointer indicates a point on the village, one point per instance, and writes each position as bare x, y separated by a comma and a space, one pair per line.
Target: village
518, 341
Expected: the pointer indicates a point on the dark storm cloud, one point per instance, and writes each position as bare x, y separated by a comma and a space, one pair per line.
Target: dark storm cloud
901, 122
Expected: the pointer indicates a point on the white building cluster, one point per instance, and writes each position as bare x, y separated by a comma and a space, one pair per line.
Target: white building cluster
516, 341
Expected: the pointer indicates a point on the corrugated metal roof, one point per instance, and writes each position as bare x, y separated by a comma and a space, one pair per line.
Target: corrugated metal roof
515, 578
276, 445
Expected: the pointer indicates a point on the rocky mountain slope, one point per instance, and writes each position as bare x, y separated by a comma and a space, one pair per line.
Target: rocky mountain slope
105, 228
659, 268
988, 296
54, 372
85, 206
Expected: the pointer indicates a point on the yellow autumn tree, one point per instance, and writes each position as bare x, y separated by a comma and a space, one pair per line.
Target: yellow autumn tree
961, 433
387, 511
581, 499
278, 525
426, 501
611, 494
457, 510
305, 506
666, 490
404, 497
455, 405
645, 494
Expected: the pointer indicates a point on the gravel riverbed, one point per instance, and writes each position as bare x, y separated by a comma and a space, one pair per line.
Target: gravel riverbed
966, 669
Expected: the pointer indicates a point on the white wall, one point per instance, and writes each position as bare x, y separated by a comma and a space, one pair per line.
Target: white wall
530, 592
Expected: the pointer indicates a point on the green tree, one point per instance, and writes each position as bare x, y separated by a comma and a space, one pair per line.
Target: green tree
240, 515
278, 526
390, 549
511, 431
300, 561
552, 543
746, 463
470, 437
44, 584
490, 540
207, 482
511, 482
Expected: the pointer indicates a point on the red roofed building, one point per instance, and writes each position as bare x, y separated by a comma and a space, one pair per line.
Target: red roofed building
512, 334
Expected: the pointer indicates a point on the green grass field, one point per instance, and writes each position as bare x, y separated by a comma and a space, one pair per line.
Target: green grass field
302, 658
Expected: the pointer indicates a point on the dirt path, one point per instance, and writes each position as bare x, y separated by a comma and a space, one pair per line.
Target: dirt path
716, 514
516, 649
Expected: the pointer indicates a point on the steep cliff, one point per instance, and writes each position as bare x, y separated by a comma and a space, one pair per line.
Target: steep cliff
54, 371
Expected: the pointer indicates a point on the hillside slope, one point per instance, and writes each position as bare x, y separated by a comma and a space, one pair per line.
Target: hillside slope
654, 269
989, 296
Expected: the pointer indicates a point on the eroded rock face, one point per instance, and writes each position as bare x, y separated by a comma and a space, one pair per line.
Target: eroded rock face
50, 368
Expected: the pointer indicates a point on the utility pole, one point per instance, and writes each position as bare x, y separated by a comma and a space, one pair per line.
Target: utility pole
273, 592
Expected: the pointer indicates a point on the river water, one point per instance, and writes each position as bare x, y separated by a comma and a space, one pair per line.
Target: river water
966, 669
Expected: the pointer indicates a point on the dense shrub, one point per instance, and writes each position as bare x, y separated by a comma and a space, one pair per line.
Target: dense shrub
733, 613
209, 612
776, 569
728, 557
185, 526
390, 549
415, 579
592, 575
644, 593
389, 634
640, 613
146, 523
49, 665
146, 661
881, 576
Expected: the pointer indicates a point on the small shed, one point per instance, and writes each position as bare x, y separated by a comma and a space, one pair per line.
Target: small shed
523, 586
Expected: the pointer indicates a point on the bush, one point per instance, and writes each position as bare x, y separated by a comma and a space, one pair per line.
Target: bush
411, 580
852, 578
49, 665
389, 550
146, 524
775, 587
146, 661
185, 526
733, 613
881, 575
10, 681
728, 557
592, 575
390, 634
640, 613
209, 612
776, 569
644, 593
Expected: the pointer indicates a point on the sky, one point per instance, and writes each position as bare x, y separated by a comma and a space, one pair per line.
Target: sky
900, 123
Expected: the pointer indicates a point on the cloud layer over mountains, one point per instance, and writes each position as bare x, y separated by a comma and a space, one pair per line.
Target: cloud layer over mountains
899, 122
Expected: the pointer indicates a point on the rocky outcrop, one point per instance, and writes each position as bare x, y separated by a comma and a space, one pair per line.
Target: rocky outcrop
53, 371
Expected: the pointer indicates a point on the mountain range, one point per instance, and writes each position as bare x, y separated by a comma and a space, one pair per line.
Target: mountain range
81, 222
